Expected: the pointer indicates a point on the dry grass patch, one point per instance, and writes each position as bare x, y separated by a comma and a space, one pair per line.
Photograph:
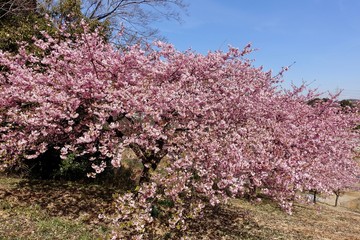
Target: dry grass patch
68, 210
51, 210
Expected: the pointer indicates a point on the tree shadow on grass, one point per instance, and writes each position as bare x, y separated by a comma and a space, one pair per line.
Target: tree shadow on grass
84, 202
224, 222
58, 198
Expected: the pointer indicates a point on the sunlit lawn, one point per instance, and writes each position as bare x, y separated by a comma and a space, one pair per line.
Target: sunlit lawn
68, 210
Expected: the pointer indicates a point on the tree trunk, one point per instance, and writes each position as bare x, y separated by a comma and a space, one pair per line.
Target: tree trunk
149, 159
314, 200
150, 162
145, 175
337, 193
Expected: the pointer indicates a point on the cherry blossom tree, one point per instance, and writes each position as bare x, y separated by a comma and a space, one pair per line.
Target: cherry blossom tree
219, 126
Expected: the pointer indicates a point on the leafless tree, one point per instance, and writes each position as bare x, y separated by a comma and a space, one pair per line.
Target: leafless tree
10, 7
133, 17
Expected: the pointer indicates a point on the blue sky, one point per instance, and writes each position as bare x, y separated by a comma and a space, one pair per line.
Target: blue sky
322, 36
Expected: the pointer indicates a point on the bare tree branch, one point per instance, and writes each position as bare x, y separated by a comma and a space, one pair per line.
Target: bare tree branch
133, 17
98, 4
12, 7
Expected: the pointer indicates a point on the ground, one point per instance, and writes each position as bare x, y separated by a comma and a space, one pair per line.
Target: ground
67, 210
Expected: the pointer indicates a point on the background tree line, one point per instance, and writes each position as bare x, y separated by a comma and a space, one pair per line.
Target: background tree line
20, 20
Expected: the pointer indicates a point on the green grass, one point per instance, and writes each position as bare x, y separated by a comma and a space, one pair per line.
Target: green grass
25, 213
69, 210
32, 222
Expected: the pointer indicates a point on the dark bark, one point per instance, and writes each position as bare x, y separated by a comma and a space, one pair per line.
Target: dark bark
16, 7
337, 194
149, 159
315, 193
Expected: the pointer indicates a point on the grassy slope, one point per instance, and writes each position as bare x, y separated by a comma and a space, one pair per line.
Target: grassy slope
53, 210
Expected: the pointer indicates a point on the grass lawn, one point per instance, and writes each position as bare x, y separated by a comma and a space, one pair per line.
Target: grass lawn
68, 210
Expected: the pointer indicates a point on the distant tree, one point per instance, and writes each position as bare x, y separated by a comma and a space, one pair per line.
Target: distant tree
20, 21
9, 8
317, 100
346, 103
132, 17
